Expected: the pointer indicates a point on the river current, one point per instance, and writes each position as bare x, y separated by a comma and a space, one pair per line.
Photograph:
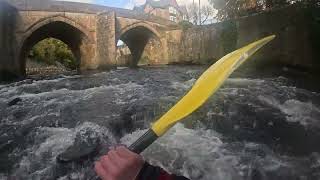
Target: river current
252, 129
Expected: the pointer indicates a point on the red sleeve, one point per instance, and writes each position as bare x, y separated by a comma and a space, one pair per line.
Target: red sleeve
149, 172
165, 176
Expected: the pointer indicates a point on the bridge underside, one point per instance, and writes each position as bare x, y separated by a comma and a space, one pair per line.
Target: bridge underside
137, 39
90, 33
70, 35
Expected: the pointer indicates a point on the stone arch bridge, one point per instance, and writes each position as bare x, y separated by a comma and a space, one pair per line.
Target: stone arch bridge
91, 32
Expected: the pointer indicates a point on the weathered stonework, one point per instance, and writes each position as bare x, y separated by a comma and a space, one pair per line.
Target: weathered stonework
153, 53
90, 31
198, 45
106, 39
294, 45
123, 56
9, 68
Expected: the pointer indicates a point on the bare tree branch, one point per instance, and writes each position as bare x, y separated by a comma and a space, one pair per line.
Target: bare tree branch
206, 12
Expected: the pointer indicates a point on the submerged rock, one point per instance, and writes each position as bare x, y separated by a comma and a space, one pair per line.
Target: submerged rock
85, 145
14, 101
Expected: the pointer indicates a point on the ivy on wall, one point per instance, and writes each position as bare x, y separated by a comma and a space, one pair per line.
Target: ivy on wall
315, 32
185, 25
229, 36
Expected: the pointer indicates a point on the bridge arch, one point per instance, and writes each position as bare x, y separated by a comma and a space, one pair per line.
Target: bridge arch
136, 36
139, 24
58, 27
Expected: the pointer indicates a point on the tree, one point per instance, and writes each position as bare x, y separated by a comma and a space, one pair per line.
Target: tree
193, 13
229, 9
206, 12
276, 3
51, 51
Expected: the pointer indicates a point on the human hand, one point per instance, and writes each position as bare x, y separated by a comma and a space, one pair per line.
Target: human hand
119, 164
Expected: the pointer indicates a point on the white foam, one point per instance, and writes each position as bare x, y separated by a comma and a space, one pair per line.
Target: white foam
244, 81
61, 138
192, 73
230, 91
122, 68
97, 131
81, 94
200, 154
58, 141
87, 92
3, 177
101, 74
50, 103
306, 113
15, 87
194, 149
183, 85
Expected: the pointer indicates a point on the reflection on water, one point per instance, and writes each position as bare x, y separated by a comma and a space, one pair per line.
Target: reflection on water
252, 129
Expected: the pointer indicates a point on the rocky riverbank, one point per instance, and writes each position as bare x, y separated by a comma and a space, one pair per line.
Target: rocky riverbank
36, 69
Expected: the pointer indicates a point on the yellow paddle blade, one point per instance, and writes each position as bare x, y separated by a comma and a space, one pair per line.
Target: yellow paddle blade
206, 85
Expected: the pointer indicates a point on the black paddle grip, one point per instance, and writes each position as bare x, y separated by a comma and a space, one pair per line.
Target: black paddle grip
143, 142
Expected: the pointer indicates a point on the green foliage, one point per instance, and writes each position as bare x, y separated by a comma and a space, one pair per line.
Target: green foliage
315, 31
51, 51
229, 37
230, 9
185, 25
277, 3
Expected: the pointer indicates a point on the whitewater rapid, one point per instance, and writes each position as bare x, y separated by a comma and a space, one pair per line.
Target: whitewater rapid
242, 133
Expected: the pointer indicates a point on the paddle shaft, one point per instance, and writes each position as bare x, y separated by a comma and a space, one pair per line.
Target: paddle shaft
143, 142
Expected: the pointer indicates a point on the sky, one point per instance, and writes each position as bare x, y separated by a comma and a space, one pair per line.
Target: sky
129, 4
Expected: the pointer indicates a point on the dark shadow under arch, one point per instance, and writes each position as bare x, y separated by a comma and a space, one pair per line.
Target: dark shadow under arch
63, 31
136, 38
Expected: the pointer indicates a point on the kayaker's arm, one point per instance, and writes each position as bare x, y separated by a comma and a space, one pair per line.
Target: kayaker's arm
156, 173
122, 164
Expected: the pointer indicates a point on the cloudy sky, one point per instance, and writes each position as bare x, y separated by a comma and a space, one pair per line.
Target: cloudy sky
129, 3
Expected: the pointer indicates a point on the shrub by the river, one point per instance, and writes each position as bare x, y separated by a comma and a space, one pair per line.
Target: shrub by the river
51, 51
185, 25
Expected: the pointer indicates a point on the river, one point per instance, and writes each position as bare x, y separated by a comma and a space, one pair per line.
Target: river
257, 128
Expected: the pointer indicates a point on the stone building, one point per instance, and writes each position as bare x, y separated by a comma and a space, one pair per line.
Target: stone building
167, 9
